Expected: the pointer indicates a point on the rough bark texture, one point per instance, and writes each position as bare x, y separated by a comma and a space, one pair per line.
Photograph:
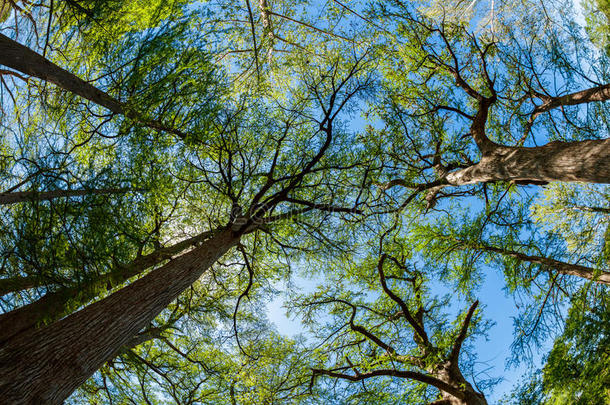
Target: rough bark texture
451, 374
54, 305
24, 60
22, 196
44, 366
584, 161
600, 93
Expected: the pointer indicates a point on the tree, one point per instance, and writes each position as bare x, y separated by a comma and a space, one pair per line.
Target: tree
62, 353
81, 156
465, 110
384, 326
576, 367
444, 80
197, 361
30, 63
597, 15
245, 174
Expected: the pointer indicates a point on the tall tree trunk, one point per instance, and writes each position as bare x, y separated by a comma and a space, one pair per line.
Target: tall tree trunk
44, 366
584, 161
54, 305
21, 196
26, 61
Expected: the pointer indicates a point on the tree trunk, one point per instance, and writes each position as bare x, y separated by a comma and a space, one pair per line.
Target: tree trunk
451, 374
584, 161
54, 305
46, 365
14, 284
22, 196
24, 60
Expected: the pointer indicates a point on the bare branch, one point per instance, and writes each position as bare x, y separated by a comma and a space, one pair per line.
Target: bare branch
403, 306
457, 345
412, 375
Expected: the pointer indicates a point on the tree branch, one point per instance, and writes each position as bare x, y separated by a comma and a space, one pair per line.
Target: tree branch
599, 93
405, 309
457, 345
412, 375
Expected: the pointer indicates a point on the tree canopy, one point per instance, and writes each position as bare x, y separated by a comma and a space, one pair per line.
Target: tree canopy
170, 170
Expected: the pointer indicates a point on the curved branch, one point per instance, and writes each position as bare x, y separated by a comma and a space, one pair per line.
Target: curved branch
412, 375
405, 309
369, 335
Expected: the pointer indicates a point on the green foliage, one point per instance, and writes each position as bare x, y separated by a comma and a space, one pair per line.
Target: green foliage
296, 116
576, 369
363, 328
579, 214
597, 17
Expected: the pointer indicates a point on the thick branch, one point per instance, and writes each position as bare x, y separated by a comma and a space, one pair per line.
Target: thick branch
21, 196
601, 277
412, 375
583, 161
598, 210
599, 93
14, 284
26, 61
267, 26
477, 129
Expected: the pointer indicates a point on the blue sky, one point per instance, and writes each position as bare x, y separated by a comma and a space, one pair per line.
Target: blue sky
492, 352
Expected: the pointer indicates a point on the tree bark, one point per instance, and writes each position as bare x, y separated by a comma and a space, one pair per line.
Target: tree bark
451, 374
584, 161
22, 196
599, 93
26, 61
45, 365
53, 305
580, 161
14, 284
588, 273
